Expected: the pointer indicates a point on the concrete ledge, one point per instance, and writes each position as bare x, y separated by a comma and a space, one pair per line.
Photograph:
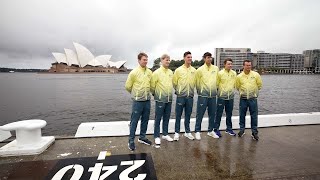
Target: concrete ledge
121, 128
281, 153
14, 149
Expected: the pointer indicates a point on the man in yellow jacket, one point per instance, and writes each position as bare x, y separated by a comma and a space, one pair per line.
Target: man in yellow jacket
226, 87
138, 84
248, 83
206, 84
184, 83
161, 88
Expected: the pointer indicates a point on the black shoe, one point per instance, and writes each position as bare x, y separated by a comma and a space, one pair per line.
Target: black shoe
144, 141
131, 146
255, 136
241, 133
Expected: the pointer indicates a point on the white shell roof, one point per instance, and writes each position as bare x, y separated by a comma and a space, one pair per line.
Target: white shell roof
72, 57
94, 62
84, 55
60, 57
103, 59
116, 64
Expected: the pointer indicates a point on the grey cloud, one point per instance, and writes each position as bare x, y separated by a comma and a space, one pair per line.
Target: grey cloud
31, 30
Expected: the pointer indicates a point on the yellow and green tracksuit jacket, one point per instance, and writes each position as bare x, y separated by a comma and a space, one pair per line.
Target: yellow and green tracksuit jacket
161, 85
248, 85
226, 84
184, 81
138, 83
206, 80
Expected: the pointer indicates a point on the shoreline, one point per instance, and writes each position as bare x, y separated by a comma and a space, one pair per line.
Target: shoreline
82, 72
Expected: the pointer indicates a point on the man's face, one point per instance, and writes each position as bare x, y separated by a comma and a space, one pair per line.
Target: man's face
165, 62
208, 60
188, 59
228, 65
247, 66
143, 61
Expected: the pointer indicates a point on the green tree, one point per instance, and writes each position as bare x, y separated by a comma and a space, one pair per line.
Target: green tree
174, 64
156, 64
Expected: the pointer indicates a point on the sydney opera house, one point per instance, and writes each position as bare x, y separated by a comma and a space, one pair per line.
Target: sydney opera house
82, 60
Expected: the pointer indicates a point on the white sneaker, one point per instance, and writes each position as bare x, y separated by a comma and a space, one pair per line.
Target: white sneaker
157, 142
176, 136
189, 136
213, 134
198, 136
168, 138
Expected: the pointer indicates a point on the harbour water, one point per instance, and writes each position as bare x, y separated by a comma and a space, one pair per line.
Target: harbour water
66, 100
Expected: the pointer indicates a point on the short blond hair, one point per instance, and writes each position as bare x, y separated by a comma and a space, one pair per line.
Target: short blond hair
164, 56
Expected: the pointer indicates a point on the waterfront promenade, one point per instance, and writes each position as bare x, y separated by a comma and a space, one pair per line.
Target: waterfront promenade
290, 152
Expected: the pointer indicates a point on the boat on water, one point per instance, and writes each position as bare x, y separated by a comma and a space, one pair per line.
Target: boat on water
11, 71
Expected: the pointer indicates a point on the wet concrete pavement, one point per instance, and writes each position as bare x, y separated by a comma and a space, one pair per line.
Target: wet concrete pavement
291, 152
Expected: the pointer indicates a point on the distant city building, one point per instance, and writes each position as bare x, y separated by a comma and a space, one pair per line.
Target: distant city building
312, 60
83, 61
238, 55
265, 60
297, 62
283, 61
278, 62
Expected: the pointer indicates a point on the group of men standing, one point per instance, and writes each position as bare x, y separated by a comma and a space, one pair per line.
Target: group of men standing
215, 91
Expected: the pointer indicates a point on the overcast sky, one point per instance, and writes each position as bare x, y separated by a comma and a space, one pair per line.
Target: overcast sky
31, 29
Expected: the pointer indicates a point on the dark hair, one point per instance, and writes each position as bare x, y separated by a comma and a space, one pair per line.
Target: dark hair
227, 59
246, 61
140, 55
186, 53
206, 55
